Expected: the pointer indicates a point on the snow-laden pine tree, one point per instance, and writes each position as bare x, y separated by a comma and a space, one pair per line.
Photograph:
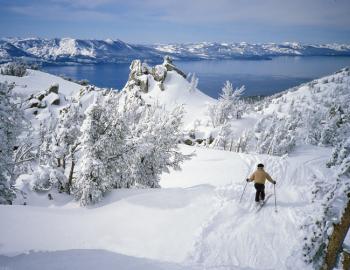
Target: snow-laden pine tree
10, 123
65, 142
336, 125
228, 106
123, 144
193, 82
224, 139
14, 69
156, 137
93, 180
276, 135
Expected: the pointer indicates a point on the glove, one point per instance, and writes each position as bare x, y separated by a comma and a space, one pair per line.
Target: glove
274, 182
248, 180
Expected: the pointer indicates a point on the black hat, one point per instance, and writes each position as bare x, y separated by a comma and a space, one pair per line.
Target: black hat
260, 165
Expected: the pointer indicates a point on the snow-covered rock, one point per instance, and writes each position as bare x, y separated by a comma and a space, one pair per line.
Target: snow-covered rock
52, 99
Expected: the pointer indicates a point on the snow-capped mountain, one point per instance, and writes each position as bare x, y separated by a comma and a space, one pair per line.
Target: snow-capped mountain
62, 50
243, 50
9, 51
80, 51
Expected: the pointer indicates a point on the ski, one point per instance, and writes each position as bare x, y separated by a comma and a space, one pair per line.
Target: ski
262, 205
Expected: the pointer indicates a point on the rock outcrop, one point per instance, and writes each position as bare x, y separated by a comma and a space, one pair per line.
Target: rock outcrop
141, 74
168, 64
43, 99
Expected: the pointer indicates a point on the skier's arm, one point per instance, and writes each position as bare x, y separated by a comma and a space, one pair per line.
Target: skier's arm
251, 178
268, 177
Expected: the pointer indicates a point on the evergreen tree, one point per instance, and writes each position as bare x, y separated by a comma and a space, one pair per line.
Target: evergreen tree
156, 135
10, 123
65, 142
193, 83
125, 144
93, 179
228, 106
224, 139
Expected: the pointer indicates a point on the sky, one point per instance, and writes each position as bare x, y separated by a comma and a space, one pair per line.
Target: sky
179, 21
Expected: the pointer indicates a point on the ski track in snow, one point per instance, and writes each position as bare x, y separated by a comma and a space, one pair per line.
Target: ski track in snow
236, 237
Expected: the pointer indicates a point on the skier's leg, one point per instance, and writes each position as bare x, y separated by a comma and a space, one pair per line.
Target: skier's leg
257, 194
262, 193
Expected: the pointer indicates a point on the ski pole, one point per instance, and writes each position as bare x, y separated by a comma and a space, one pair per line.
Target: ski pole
274, 191
243, 191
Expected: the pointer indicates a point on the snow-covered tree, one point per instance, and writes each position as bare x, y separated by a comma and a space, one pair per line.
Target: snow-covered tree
228, 106
193, 83
244, 142
336, 125
123, 144
277, 136
156, 136
65, 142
14, 69
341, 157
93, 179
311, 122
46, 139
224, 138
10, 123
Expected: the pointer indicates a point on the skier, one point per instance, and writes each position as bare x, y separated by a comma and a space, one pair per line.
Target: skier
259, 177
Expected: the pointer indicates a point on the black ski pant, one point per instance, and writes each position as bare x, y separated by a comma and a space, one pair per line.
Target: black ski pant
260, 192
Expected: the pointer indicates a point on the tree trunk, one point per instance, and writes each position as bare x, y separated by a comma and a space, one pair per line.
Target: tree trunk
336, 239
231, 144
238, 145
70, 177
346, 261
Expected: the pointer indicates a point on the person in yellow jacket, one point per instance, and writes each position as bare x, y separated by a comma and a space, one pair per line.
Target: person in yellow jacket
259, 177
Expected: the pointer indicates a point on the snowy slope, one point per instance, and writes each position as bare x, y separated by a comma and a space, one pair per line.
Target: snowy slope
200, 223
177, 93
321, 94
37, 81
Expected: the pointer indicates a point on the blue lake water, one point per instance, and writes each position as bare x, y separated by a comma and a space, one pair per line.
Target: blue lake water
261, 77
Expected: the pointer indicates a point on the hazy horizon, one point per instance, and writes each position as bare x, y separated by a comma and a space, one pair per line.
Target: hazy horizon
200, 41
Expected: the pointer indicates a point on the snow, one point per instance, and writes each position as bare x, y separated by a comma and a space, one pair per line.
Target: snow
37, 81
121, 224
176, 93
51, 98
195, 220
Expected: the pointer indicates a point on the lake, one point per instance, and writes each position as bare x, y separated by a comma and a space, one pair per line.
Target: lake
261, 77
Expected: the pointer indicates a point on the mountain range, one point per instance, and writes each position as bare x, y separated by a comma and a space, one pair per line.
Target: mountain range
69, 50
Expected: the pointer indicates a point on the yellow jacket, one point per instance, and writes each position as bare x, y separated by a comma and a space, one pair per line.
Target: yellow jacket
260, 176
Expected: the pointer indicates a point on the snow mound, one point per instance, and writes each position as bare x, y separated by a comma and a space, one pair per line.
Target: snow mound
37, 81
